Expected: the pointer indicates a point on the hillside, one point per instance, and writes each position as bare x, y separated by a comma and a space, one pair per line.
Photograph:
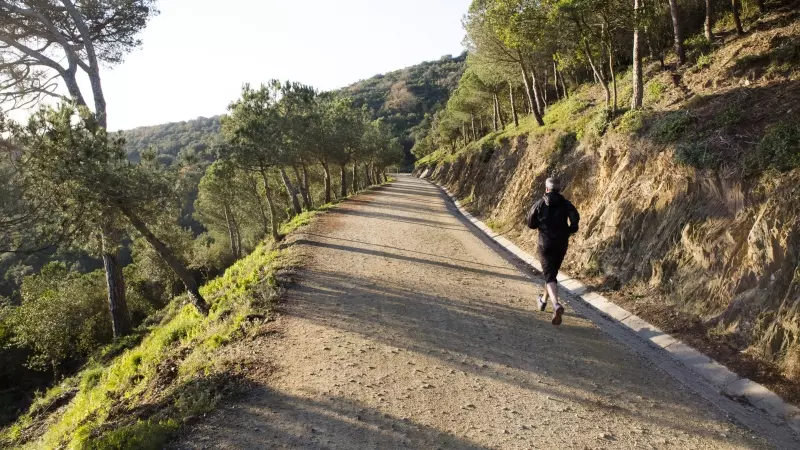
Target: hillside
690, 206
404, 98
175, 140
408, 98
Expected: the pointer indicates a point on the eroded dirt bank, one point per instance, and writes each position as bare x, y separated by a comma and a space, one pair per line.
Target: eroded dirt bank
404, 330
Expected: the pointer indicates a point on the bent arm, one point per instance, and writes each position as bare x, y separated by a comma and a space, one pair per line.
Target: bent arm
574, 219
533, 216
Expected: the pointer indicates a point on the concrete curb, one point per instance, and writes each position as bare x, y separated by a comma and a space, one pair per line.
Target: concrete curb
728, 383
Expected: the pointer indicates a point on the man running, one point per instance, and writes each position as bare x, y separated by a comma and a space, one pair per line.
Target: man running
556, 219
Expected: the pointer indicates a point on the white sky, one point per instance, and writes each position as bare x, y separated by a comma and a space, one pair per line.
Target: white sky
197, 53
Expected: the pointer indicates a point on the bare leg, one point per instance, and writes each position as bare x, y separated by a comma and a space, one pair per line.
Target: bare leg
545, 295
551, 291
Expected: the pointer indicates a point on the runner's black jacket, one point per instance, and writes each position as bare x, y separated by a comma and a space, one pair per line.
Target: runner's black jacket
555, 218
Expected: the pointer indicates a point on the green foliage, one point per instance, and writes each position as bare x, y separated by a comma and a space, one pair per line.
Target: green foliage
598, 125
728, 117
704, 61
695, 153
670, 127
143, 435
655, 90
63, 316
633, 121
779, 149
191, 140
697, 46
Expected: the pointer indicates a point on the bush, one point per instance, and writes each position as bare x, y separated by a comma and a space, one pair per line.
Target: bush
696, 154
704, 61
655, 89
598, 125
697, 46
63, 316
779, 149
565, 143
632, 121
730, 116
670, 127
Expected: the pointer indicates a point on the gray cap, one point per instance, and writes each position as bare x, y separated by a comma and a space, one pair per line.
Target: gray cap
554, 184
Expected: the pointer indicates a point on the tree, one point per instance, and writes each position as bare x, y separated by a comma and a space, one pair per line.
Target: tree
37, 37
254, 133
66, 150
708, 25
677, 31
638, 88
736, 18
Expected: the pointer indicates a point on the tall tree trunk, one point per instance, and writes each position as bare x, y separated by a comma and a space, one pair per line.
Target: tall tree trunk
636, 100
307, 188
612, 73
231, 232
708, 26
494, 115
238, 236
327, 172
677, 31
736, 19
544, 88
115, 281
555, 79
368, 174
343, 168
302, 183
499, 112
536, 93
472, 119
563, 85
273, 214
172, 261
598, 74
513, 106
355, 177
291, 190
528, 88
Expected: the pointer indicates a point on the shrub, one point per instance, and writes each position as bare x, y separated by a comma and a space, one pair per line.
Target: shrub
670, 127
779, 149
598, 125
696, 154
632, 121
704, 61
565, 143
730, 116
655, 89
63, 316
697, 46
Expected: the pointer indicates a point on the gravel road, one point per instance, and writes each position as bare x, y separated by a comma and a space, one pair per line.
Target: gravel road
405, 330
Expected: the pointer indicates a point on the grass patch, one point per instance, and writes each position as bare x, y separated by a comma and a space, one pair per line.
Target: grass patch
728, 117
696, 153
779, 149
670, 127
698, 46
654, 91
633, 121
170, 374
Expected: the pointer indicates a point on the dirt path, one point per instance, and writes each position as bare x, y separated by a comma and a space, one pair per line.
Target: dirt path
406, 330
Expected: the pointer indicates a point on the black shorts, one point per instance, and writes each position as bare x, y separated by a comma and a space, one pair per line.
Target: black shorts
551, 258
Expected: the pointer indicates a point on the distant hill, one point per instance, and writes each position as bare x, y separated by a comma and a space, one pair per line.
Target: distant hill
174, 140
406, 99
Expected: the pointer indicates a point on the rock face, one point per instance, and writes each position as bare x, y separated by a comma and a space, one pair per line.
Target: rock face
723, 249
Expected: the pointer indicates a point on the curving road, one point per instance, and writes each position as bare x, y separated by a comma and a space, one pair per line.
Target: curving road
406, 330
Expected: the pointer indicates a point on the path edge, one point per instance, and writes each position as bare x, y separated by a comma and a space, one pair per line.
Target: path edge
717, 375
